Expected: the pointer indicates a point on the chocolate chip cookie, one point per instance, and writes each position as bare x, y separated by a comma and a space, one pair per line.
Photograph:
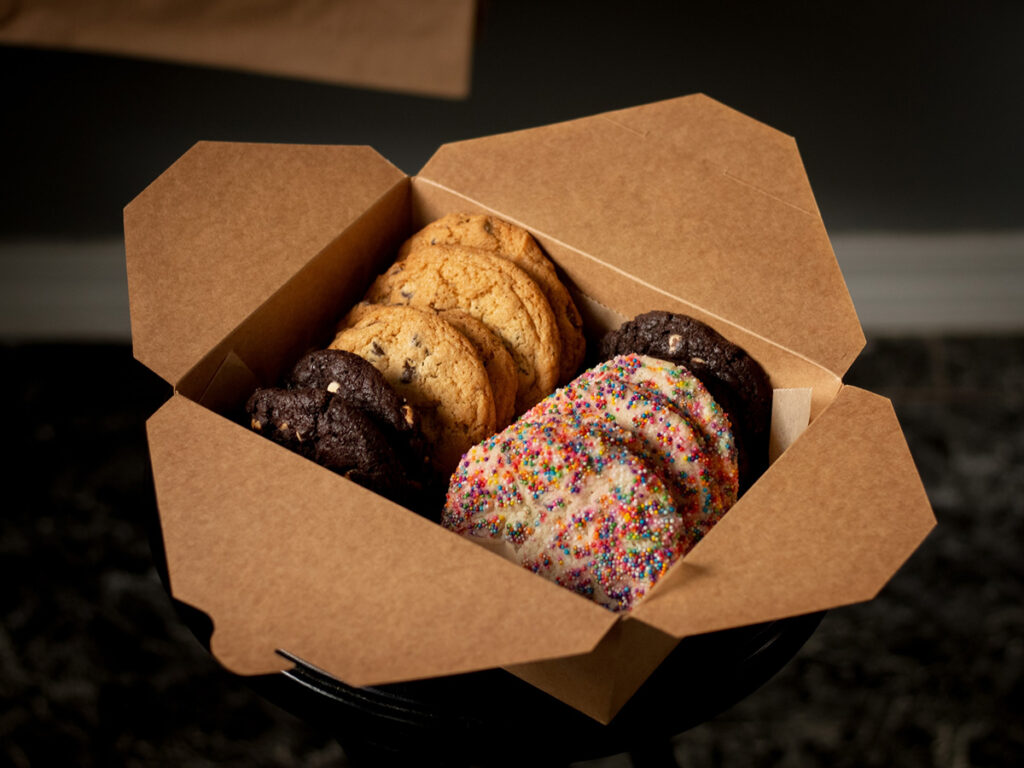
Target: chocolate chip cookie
494, 291
431, 365
491, 234
501, 369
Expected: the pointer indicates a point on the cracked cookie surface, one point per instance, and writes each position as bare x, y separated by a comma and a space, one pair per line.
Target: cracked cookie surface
494, 235
433, 366
494, 291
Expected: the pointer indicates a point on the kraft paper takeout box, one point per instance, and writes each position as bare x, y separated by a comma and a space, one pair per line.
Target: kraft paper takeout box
243, 256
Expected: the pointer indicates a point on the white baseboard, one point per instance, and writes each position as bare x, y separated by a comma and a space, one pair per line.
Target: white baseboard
901, 283
65, 290
956, 283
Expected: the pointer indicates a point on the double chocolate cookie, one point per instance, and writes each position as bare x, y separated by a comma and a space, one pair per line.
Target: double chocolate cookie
737, 382
338, 410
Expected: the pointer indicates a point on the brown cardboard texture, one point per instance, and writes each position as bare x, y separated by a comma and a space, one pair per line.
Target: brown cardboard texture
241, 257
414, 46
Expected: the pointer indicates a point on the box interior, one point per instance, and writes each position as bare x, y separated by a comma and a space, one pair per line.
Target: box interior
303, 313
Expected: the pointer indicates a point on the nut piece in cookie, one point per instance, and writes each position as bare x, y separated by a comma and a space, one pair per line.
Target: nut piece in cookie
494, 291
736, 381
501, 238
288, 417
431, 365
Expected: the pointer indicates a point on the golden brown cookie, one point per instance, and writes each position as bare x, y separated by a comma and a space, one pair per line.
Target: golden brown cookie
489, 233
501, 369
431, 365
494, 291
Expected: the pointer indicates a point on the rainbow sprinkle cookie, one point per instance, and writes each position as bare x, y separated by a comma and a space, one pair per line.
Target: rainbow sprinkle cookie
604, 484
666, 416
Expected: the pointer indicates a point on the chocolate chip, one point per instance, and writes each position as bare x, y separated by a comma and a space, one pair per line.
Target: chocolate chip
408, 372
405, 294
377, 349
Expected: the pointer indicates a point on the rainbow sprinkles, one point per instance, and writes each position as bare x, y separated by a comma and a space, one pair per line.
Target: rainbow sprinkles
605, 483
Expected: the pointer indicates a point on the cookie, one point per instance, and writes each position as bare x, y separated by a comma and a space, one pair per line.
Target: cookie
341, 437
601, 486
494, 291
357, 381
736, 381
662, 413
570, 503
351, 443
501, 370
288, 417
491, 234
433, 366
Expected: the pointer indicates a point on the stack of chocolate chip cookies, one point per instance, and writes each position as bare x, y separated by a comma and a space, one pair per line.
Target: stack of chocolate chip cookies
471, 325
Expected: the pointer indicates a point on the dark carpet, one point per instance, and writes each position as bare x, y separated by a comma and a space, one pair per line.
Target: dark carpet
98, 668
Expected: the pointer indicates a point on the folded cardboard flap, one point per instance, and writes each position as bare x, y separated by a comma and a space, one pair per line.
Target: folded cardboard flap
642, 206
249, 526
215, 237
600, 682
827, 525
746, 149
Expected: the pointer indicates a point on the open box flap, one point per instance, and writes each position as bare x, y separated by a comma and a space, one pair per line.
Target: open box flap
621, 189
284, 555
228, 224
748, 149
827, 525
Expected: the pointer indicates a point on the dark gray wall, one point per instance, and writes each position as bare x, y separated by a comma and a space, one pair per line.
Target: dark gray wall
908, 116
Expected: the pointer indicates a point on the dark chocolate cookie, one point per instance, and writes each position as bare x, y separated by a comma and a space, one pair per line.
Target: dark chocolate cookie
350, 443
288, 417
737, 382
345, 438
355, 380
